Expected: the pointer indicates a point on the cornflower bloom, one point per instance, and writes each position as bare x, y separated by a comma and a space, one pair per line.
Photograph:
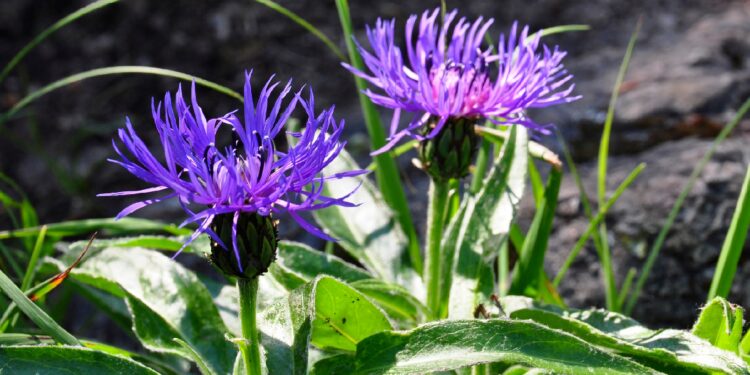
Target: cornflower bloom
449, 76
244, 182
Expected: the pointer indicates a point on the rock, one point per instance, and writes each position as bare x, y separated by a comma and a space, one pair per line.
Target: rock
681, 276
676, 86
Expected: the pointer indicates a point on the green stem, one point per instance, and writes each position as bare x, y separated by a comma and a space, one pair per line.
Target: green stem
608, 274
250, 346
435, 220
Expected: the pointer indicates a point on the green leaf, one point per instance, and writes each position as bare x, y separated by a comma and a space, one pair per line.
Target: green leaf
386, 173
340, 364
745, 348
343, 316
35, 313
720, 323
669, 350
370, 231
72, 360
449, 345
397, 301
297, 263
325, 312
734, 243
482, 223
531, 262
166, 301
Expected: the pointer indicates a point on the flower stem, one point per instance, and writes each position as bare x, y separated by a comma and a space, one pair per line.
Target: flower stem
435, 219
250, 346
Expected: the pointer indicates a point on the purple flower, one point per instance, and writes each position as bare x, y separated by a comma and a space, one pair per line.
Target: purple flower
248, 176
449, 74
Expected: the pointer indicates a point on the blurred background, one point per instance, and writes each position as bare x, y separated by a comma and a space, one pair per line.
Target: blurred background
689, 73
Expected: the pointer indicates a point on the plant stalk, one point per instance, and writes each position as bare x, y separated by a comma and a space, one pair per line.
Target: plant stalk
250, 345
433, 263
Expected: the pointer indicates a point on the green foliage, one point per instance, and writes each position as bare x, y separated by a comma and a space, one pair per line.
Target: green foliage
734, 243
720, 323
369, 232
455, 344
52, 360
35, 313
668, 350
166, 301
482, 222
386, 173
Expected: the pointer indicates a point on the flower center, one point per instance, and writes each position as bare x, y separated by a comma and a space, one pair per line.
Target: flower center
457, 82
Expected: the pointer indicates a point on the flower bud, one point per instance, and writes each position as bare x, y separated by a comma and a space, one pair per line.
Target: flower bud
450, 153
256, 244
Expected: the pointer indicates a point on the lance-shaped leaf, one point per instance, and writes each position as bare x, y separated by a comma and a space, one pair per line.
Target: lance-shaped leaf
166, 302
669, 350
450, 345
51, 360
481, 225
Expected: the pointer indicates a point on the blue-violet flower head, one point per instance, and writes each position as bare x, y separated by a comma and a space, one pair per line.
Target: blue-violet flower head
449, 74
249, 176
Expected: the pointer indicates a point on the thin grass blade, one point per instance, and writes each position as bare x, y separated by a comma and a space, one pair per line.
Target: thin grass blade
307, 25
115, 70
35, 313
733, 245
595, 222
50, 30
386, 172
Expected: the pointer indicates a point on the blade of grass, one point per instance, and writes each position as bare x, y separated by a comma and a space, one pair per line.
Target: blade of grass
626, 286
603, 248
656, 248
594, 223
564, 29
531, 260
733, 245
307, 25
397, 151
35, 313
40, 290
537, 185
50, 30
28, 277
79, 227
386, 173
114, 70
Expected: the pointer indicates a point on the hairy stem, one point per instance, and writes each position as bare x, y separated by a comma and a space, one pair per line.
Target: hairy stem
250, 346
435, 220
